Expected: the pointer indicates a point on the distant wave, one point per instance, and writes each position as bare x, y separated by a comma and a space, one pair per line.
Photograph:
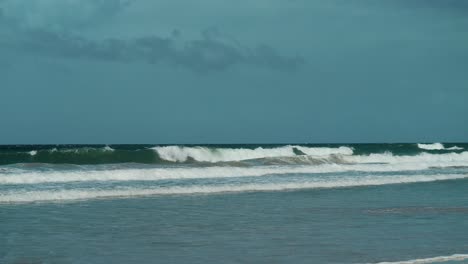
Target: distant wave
456, 257
73, 150
78, 155
84, 194
206, 154
82, 150
437, 146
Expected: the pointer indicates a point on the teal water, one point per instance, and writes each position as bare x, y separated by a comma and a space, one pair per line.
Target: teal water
235, 204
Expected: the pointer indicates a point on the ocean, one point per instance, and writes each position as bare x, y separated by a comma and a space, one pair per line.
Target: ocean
283, 203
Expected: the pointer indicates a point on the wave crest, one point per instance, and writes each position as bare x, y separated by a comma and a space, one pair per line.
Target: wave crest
437, 146
206, 154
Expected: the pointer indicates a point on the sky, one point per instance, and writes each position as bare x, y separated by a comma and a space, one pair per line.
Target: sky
245, 71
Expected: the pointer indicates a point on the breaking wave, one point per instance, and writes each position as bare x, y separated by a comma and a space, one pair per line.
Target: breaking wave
206, 154
437, 146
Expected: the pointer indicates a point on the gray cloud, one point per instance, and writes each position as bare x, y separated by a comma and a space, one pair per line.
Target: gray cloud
211, 52
46, 27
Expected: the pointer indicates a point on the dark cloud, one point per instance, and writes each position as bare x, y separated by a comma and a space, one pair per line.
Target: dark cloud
47, 27
210, 52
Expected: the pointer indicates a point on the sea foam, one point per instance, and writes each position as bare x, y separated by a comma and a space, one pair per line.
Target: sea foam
24, 196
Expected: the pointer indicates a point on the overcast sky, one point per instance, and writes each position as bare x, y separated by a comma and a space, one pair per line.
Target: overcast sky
245, 71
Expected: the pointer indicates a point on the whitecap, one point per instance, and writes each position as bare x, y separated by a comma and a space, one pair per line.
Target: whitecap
455, 257
437, 146
207, 154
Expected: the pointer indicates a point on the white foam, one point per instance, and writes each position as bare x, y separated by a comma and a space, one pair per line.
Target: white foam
454, 148
206, 154
437, 146
33, 152
430, 160
367, 163
322, 151
83, 194
107, 148
154, 174
456, 257
434, 146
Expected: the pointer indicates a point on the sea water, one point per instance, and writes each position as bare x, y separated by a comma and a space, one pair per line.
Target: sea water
298, 203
